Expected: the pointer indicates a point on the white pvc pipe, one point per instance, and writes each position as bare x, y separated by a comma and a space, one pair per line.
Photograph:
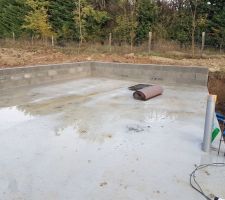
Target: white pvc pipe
209, 119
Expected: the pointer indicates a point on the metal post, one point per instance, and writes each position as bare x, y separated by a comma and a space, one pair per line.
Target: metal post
209, 118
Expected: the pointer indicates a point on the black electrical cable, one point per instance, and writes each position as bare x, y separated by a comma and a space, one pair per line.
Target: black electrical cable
192, 177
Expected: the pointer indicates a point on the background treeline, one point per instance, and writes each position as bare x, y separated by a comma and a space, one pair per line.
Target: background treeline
129, 21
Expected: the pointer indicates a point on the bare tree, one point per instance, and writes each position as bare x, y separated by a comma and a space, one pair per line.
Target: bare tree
132, 32
193, 6
101, 3
80, 24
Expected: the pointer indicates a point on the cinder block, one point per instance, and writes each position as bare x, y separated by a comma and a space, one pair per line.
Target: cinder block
2, 78
41, 74
79, 69
52, 73
72, 71
16, 77
27, 76
201, 77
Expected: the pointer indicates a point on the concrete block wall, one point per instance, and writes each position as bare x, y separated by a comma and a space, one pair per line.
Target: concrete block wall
32, 75
167, 74
24, 76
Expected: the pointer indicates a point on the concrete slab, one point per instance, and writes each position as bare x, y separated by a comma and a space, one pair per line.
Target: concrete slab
89, 139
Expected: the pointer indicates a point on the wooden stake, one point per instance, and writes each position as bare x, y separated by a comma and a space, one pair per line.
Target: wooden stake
110, 42
203, 43
32, 40
13, 37
53, 41
149, 42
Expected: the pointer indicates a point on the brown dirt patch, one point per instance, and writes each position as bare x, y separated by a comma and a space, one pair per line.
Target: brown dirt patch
12, 57
216, 86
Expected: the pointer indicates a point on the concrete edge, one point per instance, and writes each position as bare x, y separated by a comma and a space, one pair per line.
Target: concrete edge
43, 65
188, 67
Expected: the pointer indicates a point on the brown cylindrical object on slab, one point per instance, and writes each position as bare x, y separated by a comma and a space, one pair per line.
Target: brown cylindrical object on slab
148, 92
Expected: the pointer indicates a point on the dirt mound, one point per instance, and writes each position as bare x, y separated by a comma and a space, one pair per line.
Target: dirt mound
11, 57
216, 86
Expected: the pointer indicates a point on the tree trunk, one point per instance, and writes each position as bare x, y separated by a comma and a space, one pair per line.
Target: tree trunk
32, 40
131, 43
193, 10
80, 25
193, 40
132, 33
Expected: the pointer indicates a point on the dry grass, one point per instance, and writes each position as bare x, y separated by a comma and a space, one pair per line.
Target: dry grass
22, 53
